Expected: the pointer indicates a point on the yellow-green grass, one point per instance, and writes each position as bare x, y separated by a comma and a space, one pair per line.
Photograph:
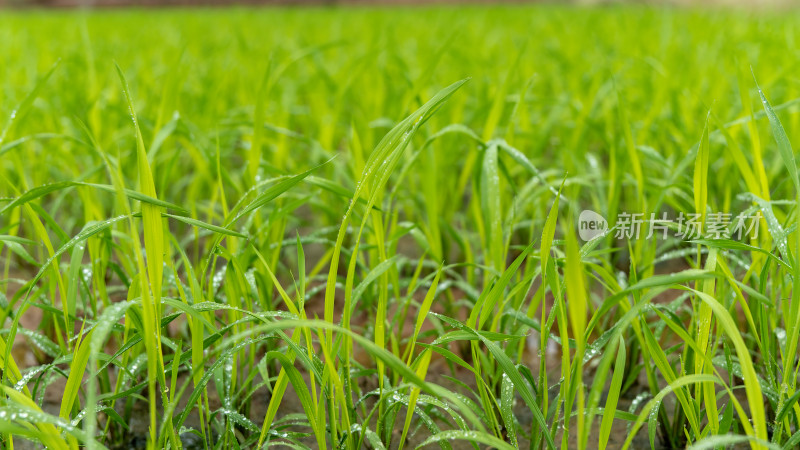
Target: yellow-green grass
355, 227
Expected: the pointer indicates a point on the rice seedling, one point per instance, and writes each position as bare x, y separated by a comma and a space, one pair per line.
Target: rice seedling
506, 227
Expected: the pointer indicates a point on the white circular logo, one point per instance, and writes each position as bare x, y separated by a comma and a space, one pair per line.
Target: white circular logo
591, 225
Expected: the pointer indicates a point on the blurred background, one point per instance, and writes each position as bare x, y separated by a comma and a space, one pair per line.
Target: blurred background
770, 4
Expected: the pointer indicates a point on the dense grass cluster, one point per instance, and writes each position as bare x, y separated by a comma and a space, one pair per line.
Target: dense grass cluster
358, 228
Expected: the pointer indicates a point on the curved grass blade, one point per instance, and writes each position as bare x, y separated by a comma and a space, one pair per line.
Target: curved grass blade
472, 436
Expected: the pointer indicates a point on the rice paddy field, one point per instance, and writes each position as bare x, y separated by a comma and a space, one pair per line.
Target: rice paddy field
397, 227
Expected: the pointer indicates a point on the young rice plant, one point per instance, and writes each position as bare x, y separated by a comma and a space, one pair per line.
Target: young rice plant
364, 228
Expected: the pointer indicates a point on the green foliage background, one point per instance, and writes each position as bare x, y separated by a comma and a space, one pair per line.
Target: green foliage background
311, 203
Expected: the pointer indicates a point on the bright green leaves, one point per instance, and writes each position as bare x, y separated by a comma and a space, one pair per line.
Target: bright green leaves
491, 209
792, 315
378, 168
80, 359
784, 145
704, 317
24, 107
613, 395
151, 214
152, 270
34, 423
577, 311
422, 314
752, 385
701, 174
262, 96
548, 233
576, 291
463, 311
